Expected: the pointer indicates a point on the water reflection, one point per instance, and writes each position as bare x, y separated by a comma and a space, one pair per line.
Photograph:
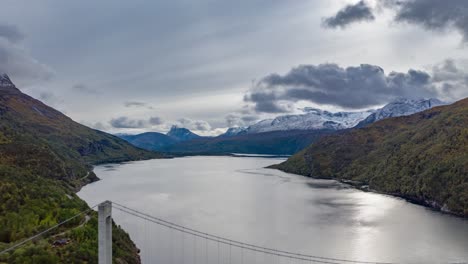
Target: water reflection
236, 198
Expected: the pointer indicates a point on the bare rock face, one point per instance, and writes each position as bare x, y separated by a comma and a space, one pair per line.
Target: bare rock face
6, 85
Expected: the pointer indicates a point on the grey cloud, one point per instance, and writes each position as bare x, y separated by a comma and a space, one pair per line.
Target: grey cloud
11, 33
430, 14
352, 87
451, 78
199, 125
84, 88
248, 119
266, 101
134, 103
49, 98
99, 126
16, 62
242, 118
360, 11
434, 14
155, 121
45, 96
266, 106
233, 120
126, 122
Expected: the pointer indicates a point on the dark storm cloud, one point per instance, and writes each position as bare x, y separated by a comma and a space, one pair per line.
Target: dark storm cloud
352, 87
11, 33
433, 14
266, 102
16, 62
350, 14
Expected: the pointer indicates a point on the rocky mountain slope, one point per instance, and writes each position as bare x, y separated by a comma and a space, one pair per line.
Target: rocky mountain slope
422, 157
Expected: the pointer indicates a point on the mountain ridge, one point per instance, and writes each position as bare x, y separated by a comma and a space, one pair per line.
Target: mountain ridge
320, 119
250, 140
45, 157
422, 157
181, 133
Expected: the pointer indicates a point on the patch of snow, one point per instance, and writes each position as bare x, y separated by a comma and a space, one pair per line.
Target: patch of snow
314, 118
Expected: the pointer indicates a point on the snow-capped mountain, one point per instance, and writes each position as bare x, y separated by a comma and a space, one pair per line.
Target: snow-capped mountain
5, 81
181, 134
401, 107
312, 120
234, 131
315, 119
7, 86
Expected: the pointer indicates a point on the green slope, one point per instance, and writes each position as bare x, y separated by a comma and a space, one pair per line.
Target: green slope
422, 157
45, 157
276, 143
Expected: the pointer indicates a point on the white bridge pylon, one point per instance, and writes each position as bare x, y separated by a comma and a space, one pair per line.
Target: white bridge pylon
105, 232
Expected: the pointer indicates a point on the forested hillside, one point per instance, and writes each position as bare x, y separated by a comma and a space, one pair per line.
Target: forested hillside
422, 157
45, 157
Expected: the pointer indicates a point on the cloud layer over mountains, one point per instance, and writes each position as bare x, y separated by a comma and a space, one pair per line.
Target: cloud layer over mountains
192, 64
353, 87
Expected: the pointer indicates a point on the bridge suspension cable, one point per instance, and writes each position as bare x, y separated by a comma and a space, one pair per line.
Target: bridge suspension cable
238, 244
46, 231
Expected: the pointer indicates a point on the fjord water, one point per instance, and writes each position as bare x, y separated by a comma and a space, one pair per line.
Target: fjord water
237, 198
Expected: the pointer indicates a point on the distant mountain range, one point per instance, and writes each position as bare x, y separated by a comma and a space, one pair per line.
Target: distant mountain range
275, 142
422, 157
315, 119
150, 140
181, 134
44, 158
282, 135
159, 141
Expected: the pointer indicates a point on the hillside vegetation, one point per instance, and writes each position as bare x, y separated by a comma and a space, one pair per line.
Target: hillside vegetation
277, 142
422, 157
45, 157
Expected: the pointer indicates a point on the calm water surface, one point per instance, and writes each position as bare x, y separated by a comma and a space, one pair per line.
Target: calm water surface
237, 198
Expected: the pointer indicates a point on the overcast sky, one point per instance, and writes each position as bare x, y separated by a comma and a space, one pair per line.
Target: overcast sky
133, 66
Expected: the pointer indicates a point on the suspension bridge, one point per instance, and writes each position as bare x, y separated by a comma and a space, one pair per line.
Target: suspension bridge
169, 242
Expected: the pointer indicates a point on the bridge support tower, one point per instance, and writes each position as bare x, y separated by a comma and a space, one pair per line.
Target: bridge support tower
105, 232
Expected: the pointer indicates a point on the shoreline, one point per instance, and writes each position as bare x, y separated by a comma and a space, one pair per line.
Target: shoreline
432, 205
